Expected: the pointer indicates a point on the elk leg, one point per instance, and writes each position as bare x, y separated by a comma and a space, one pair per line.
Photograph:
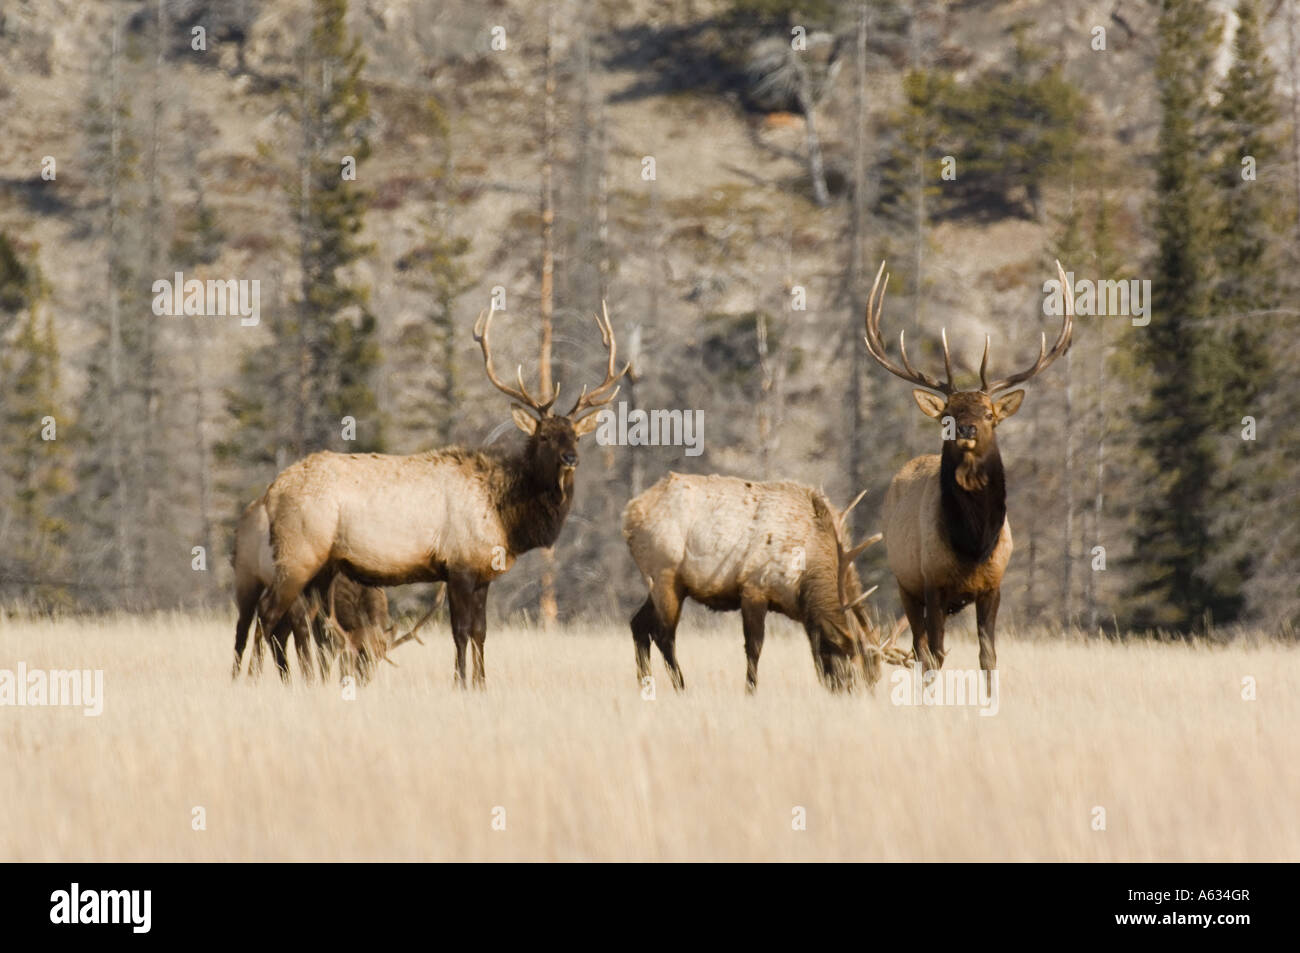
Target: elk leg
668, 602
479, 633
753, 614
935, 616
259, 650
324, 651
460, 602
644, 624
915, 609
278, 602
301, 625
279, 638
246, 613
986, 617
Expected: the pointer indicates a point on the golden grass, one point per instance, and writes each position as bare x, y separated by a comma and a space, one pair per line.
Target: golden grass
1158, 735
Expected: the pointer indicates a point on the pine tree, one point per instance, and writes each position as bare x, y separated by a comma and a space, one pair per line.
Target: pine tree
1106, 262
436, 268
108, 429
1169, 587
1014, 127
35, 470
1248, 226
1246, 244
1068, 249
319, 366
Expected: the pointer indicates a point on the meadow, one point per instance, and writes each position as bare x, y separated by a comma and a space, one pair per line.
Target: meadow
561, 758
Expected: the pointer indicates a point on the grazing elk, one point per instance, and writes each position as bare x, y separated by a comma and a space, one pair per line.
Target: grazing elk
456, 515
735, 544
254, 569
358, 612
946, 533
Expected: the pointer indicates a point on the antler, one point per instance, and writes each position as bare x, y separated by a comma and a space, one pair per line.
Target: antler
1045, 357
414, 633
889, 650
848, 554
481, 327
594, 400
876, 347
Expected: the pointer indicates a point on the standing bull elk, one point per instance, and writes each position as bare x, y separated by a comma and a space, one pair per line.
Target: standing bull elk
946, 532
734, 544
456, 515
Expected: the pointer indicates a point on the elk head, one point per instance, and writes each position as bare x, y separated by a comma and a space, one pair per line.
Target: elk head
975, 414
860, 629
552, 450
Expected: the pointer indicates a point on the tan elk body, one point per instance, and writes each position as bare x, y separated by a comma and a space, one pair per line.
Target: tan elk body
737, 544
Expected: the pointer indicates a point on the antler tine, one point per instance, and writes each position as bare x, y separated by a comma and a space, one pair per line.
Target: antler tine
984, 366
873, 312
947, 358
863, 546
606, 329
595, 399
860, 599
482, 328
888, 649
844, 514
1045, 357
876, 347
542, 408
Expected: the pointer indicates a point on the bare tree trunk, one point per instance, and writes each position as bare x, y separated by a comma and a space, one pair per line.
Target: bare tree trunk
1098, 474
548, 606
125, 562
816, 166
1293, 67
857, 306
149, 465
769, 386
1032, 572
202, 446
1067, 475
602, 200
918, 175
302, 381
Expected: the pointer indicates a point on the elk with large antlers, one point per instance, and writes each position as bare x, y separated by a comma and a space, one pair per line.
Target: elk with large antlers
457, 515
735, 544
947, 537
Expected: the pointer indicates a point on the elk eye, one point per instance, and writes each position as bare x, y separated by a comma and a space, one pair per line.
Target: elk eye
989, 415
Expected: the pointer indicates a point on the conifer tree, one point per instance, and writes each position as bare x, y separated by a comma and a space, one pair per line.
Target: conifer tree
1168, 585
1246, 244
319, 366
34, 538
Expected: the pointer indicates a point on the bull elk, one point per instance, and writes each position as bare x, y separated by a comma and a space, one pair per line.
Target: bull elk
457, 515
947, 536
735, 544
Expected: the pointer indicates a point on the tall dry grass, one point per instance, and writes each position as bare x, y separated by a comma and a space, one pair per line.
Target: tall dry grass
1158, 735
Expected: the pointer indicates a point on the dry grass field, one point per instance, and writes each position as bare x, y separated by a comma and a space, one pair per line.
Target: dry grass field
584, 768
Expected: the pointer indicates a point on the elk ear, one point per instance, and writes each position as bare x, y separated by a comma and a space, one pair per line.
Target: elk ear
586, 425
931, 405
523, 419
1004, 407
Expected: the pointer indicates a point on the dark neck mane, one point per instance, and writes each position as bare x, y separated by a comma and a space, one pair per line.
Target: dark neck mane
533, 513
974, 499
